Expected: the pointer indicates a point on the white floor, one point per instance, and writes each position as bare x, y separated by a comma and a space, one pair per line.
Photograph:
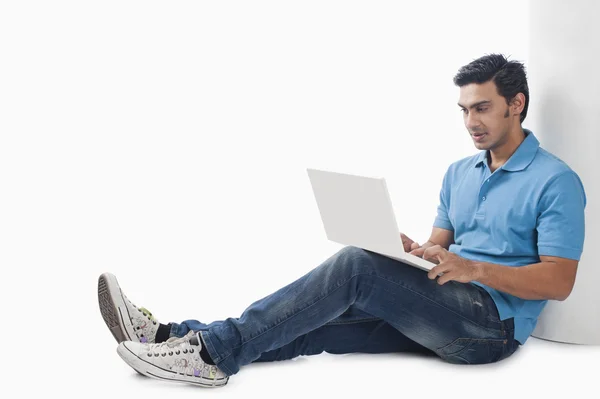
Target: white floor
58, 344
540, 369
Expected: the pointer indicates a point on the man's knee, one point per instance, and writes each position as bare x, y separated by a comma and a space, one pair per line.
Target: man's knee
352, 251
350, 255
353, 261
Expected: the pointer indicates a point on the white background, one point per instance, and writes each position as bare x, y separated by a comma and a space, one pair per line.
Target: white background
167, 142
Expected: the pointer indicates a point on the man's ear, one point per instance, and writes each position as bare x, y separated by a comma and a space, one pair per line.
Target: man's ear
517, 103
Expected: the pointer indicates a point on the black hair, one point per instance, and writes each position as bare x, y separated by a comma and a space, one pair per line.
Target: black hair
509, 76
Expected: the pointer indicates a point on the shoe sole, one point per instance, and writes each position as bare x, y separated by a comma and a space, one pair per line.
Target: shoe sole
113, 309
152, 371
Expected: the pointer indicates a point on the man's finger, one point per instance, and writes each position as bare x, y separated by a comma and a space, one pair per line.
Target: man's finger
447, 277
435, 252
417, 252
442, 268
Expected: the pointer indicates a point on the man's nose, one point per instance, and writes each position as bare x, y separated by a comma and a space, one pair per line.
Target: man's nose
471, 121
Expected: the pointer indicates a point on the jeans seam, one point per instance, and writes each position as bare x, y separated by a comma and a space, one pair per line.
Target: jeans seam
469, 339
336, 323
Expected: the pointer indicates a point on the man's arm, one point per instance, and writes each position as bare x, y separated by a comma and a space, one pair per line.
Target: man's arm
552, 278
561, 230
560, 236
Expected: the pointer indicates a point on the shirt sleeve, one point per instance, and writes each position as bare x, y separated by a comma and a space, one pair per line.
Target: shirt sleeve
442, 220
561, 219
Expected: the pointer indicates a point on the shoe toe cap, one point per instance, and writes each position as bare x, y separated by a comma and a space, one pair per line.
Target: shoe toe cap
131, 349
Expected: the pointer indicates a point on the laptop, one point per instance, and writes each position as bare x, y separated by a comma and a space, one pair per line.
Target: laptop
357, 211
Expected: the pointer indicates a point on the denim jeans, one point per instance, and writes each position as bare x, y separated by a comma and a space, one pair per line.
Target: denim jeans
360, 301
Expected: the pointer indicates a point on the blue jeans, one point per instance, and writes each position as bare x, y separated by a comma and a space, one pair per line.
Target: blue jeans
360, 301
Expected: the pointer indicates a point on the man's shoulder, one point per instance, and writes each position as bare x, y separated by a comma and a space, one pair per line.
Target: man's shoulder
550, 164
549, 160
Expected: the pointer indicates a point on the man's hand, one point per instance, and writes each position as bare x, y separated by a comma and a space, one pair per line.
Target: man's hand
409, 244
419, 251
452, 266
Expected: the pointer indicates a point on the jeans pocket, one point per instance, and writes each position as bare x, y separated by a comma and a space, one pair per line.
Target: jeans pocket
474, 350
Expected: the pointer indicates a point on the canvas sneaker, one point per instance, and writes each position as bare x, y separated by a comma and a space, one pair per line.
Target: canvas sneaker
125, 321
177, 359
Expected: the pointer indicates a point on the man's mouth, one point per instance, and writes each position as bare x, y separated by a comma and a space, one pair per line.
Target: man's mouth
479, 136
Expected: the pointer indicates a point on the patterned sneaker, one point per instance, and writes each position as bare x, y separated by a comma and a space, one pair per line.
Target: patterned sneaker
177, 359
125, 321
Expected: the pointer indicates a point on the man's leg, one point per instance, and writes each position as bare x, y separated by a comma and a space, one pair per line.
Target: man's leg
353, 332
374, 336
459, 322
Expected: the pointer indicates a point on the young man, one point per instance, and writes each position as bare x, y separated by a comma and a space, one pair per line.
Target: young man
507, 238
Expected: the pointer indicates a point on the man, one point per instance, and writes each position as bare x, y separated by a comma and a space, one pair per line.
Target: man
507, 238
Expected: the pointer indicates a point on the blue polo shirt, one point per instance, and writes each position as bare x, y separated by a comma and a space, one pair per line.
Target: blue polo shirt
531, 206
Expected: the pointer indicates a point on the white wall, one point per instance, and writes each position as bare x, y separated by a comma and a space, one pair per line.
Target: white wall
149, 136
564, 82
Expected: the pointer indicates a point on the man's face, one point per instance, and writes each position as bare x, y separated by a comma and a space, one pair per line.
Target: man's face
486, 115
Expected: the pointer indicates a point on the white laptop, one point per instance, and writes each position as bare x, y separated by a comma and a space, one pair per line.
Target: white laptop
357, 211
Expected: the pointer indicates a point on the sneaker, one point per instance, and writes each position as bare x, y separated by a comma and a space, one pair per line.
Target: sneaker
177, 359
125, 321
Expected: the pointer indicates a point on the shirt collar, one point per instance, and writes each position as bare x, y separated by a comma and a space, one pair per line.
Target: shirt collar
520, 159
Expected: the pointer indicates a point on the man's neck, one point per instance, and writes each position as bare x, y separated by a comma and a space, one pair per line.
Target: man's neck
500, 155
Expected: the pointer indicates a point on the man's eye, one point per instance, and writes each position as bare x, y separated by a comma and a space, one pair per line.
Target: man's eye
481, 109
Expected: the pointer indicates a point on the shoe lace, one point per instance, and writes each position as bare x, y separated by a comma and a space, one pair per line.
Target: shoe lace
147, 314
188, 366
174, 345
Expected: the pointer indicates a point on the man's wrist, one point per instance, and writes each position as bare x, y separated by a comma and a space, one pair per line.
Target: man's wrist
481, 270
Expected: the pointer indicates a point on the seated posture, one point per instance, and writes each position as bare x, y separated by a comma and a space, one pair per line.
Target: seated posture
507, 238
